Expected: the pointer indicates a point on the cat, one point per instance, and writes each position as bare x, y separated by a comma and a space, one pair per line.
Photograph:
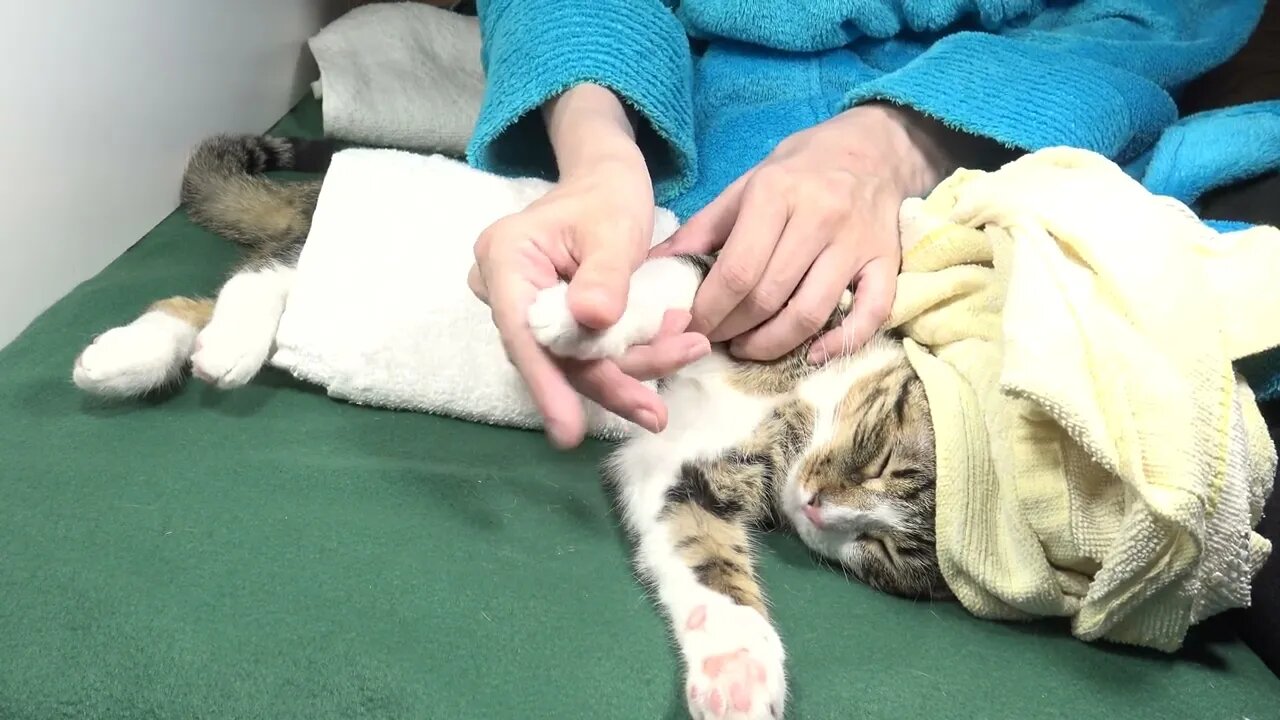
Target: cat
225, 343
840, 453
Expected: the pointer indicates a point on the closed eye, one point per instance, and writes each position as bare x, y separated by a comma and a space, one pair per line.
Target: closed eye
881, 467
875, 482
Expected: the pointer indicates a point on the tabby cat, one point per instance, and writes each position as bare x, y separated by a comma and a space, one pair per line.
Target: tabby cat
841, 453
223, 190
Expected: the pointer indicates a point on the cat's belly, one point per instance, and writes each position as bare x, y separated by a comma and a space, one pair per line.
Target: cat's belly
705, 417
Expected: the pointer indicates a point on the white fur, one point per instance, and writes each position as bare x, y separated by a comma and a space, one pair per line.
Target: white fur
706, 416
824, 391
134, 359
152, 351
669, 280
235, 345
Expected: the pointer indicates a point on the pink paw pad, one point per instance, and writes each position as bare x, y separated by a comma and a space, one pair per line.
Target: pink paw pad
697, 619
716, 703
742, 671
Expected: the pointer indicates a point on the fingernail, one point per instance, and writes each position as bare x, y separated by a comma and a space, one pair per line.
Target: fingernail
648, 420
817, 356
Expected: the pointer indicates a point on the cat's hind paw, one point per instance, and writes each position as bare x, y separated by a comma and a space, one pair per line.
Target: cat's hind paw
735, 664
229, 356
135, 359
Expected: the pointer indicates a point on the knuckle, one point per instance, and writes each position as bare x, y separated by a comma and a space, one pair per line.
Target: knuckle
832, 196
765, 299
875, 305
771, 179
483, 246
737, 277
809, 319
492, 238
878, 309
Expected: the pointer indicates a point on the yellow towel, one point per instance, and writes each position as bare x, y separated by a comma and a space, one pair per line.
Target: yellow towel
1098, 458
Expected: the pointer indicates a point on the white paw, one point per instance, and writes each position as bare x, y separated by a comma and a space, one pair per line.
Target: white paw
228, 355
735, 664
135, 358
555, 329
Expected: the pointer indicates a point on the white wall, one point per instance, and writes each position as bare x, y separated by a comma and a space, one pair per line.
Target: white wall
100, 102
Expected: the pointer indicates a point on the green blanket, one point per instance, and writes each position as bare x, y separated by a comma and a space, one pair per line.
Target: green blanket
272, 553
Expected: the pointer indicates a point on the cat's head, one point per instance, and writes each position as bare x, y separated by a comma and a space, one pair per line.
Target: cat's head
862, 494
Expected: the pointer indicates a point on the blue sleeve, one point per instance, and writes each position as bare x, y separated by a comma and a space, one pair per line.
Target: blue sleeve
1211, 149
533, 50
1094, 74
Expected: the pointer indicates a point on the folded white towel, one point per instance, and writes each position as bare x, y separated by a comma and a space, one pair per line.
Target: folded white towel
403, 75
380, 313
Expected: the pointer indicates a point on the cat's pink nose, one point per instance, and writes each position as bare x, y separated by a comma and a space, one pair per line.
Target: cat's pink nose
814, 513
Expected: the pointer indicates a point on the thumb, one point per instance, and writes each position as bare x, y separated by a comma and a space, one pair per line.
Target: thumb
707, 230
598, 289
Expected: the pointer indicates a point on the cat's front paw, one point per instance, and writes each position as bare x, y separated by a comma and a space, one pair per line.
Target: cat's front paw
135, 359
229, 356
735, 664
556, 330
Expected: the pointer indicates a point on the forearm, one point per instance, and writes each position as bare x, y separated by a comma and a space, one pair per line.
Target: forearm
540, 56
588, 125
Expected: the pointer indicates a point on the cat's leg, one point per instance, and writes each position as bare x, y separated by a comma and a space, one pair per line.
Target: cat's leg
659, 285
147, 354
692, 546
235, 345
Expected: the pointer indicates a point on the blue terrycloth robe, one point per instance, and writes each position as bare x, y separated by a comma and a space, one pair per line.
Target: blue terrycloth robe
718, 83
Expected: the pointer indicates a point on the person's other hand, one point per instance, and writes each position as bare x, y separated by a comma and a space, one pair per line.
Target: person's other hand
817, 216
594, 229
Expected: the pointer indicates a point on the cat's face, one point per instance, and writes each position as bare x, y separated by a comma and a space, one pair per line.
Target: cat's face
864, 498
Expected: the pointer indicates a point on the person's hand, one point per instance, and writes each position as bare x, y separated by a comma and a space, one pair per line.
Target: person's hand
594, 229
818, 215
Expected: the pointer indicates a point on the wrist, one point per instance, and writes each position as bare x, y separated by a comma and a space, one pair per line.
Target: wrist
589, 128
935, 151
918, 163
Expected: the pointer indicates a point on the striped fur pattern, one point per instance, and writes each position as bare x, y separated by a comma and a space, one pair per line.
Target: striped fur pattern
225, 190
841, 454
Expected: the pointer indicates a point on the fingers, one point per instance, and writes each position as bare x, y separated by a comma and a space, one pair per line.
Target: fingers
619, 393
742, 261
669, 351
707, 230
807, 312
872, 302
550, 390
804, 238
617, 387
510, 275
